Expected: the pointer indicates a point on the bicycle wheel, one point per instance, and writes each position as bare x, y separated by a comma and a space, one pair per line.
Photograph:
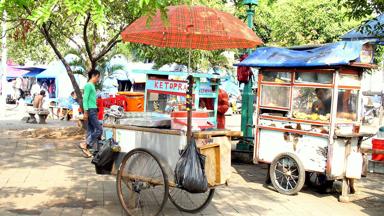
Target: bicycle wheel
142, 184
287, 173
190, 202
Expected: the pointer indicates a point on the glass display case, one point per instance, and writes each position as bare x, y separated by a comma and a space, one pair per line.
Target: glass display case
347, 105
349, 80
276, 77
307, 96
275, 96
314, 77
311, 103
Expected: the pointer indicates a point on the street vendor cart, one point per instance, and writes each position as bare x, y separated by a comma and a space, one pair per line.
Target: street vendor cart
151, 143
308, 113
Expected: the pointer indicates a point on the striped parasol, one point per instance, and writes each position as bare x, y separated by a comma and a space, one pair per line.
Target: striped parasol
192, 27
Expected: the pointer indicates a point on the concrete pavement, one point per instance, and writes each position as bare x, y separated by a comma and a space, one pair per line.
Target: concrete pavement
49, 177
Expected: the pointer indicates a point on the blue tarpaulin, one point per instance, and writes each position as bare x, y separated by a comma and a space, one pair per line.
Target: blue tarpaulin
369, 31
33, 71
336, 54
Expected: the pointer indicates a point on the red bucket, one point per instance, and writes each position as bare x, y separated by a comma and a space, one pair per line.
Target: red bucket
378, 144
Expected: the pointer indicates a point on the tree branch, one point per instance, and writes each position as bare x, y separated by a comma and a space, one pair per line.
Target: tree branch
85, 37
109, 46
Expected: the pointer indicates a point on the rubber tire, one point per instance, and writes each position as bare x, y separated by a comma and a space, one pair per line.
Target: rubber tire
165, 178
200, 208
301, 177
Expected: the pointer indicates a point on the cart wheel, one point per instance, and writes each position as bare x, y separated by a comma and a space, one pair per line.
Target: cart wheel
319, 181
287, 173
142, 184
190, 202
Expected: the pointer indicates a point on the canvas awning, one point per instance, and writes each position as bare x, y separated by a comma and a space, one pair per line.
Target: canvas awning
336, 54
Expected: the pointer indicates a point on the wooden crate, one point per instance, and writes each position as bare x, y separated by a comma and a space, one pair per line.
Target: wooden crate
218, 159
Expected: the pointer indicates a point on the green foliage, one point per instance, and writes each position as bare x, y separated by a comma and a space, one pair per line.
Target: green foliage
299, 22
365, 9
65, 19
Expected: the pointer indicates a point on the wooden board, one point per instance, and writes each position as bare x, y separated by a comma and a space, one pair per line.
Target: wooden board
218, 159
145, 129
214, 133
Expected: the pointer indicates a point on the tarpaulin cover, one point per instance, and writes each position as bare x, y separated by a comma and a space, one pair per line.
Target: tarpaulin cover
33, 71
13, 72
368, 31
340, 53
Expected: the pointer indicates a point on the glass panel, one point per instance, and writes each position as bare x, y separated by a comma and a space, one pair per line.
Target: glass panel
347, 105
164, 103
314, 77
275, 96
277, 77
312, 103
349, 80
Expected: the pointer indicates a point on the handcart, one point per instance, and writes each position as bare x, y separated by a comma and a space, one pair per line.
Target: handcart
308, 114
149, 152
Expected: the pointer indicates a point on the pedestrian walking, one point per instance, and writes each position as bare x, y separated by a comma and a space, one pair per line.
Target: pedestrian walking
94, 129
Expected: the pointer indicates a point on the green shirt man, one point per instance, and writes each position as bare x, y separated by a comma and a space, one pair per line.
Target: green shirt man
89, 98
94, 129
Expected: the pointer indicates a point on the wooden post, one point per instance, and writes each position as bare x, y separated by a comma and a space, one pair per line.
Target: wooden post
345, 187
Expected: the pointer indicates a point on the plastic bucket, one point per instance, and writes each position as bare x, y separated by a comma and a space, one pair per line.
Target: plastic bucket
378, 144
135, 101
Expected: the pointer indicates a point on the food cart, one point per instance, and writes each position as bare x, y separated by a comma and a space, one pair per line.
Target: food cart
150, 148
308, 112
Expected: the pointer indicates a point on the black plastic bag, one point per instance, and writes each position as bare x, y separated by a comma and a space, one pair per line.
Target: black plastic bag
105, 157
189, 171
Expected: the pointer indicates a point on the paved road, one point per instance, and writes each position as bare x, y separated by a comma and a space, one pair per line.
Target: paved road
49, 177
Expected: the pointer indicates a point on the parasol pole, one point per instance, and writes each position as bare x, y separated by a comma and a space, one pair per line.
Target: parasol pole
189, 92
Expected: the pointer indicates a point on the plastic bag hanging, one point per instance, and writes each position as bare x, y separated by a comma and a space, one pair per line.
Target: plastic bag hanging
189, 171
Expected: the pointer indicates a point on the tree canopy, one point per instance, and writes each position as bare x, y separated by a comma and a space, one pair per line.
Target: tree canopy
91, 26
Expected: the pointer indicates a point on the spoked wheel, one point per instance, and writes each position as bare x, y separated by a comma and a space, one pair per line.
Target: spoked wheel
142, 184
287, 173
190, 202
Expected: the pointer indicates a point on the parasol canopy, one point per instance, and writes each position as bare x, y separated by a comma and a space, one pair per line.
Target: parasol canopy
192, 27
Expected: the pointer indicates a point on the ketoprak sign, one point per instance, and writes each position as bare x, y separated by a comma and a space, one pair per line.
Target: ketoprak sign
167, 86
176, 87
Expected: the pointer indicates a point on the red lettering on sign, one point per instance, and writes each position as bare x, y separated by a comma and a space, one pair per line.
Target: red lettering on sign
161, 85
156, 84
166, 84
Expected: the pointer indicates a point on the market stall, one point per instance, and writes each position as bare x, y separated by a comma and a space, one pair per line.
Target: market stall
309, 113
158, 136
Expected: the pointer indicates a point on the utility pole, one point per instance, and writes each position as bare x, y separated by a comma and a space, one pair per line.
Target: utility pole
248, 95
4, 58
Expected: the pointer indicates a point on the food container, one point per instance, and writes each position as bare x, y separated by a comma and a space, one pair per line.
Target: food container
200, 120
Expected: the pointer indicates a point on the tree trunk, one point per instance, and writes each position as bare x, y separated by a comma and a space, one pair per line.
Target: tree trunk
45, 32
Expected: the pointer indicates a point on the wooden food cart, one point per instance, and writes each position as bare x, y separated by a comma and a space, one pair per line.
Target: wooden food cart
309, 112
150, 149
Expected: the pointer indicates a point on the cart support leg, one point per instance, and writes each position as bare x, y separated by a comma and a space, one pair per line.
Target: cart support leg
344, 191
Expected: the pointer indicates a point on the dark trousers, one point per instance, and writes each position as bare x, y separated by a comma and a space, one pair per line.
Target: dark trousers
94, 129
124, 85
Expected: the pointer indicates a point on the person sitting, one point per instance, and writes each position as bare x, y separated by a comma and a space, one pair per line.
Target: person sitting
38, 109
38, 100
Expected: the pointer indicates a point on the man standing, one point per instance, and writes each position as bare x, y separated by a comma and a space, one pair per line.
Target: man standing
94, 129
